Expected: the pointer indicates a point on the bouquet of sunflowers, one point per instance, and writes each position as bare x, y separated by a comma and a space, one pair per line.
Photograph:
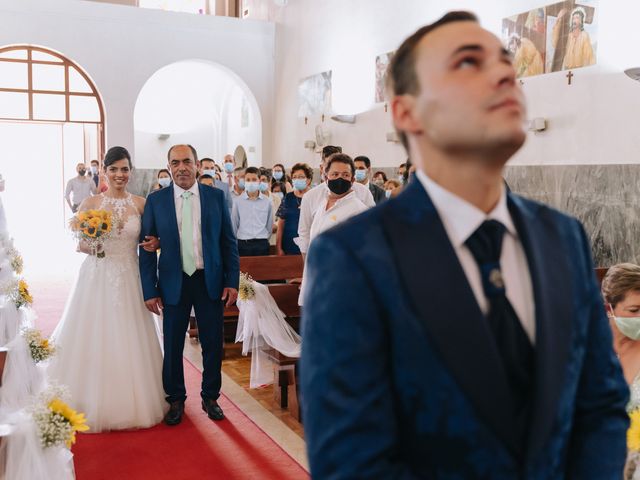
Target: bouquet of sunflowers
92, 227
56, 421
40, 347
18, 292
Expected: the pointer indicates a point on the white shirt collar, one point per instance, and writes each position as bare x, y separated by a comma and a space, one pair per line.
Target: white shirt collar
178, 191
461, 218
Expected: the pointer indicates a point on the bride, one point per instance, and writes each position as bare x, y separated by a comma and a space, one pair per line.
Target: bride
108, 347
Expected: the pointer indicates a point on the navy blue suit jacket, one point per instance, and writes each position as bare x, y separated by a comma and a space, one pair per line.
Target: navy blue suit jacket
163, 277
400, 375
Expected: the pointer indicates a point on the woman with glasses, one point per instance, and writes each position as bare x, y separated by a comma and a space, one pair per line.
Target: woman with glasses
289, 212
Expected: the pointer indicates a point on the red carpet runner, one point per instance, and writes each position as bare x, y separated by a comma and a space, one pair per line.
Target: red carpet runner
198, 448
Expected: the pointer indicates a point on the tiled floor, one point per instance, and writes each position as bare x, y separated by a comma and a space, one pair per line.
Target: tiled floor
257, 404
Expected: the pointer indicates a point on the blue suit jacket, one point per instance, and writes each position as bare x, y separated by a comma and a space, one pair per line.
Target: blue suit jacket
163, 277
400, 376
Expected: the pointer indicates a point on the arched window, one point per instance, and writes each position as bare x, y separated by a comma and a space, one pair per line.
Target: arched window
37, 84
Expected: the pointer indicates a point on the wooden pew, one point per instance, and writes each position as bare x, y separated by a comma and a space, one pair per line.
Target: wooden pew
271, 269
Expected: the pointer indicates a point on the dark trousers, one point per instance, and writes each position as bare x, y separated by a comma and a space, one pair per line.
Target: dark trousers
257, 247
210, 322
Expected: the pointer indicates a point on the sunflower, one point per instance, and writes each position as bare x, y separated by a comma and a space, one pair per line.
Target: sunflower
633, 434
24, 292
76, 420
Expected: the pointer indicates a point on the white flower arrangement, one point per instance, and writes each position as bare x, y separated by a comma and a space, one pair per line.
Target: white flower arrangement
40, 347
246, 290
56, 421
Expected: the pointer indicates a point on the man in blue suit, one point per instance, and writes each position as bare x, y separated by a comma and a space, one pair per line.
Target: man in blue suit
466, 337
198, 268
207, 167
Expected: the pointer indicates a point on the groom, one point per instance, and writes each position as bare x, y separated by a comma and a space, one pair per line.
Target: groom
198, 267
466, 337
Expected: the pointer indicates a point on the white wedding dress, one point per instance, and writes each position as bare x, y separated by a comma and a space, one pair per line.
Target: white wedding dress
108, 347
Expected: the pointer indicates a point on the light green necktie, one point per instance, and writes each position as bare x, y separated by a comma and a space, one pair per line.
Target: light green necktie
186, 235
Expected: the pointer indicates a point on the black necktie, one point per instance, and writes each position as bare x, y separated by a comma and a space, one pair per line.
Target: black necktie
512, 341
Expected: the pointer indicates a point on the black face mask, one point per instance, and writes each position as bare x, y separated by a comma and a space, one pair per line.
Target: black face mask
82, 172
339, 185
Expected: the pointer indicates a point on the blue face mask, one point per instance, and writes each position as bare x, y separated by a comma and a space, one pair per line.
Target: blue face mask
629, 326
164, 182
280, 195
241, 183
387, 193
211, 173
278, 175
401, 178
251, 187
264, 186
361, 175
228, 167
299, 184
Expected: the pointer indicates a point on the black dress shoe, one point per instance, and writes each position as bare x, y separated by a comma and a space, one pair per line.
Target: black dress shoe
174, 415
212, 409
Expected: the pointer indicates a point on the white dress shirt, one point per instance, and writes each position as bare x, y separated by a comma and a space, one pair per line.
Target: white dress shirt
313, 200
196, 220
461, 220
344, 208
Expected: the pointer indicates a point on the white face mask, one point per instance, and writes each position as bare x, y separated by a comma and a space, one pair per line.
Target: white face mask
628, 326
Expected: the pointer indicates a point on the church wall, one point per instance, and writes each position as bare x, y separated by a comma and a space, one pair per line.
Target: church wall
120, 47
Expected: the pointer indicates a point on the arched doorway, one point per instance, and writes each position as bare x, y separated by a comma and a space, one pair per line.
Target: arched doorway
51, 118
240, 156
200, 103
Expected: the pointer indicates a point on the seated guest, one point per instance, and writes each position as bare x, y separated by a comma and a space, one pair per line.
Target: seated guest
206, 179
164, 179
342, 202
252, 217
380, 178
392, 188
621, 292
289, 212
279, 174
363, 171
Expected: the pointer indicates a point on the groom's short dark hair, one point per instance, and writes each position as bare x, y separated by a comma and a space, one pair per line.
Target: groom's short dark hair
193, 150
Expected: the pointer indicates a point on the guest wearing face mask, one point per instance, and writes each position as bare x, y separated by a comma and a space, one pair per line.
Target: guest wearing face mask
380, 178
341, 203
164, 179
363, 171
265, 189
238, 184
95, 172
289, 212
208, 167
621, 292
229, 166
79, 187
279, 174
402, 168
392, 188
252, 217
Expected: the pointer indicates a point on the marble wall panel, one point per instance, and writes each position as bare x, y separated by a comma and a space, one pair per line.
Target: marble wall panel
605, 198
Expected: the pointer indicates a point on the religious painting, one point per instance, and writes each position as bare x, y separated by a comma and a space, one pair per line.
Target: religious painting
382, 64
571, 35
314, 95
559, 36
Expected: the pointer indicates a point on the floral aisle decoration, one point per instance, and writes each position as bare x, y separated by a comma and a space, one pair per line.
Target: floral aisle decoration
246, 290
56, 421
92, 227
18, 292
17, 264
41, 348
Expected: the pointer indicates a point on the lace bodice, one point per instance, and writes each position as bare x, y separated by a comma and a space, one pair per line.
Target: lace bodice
123, 240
